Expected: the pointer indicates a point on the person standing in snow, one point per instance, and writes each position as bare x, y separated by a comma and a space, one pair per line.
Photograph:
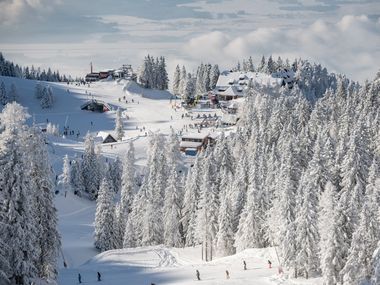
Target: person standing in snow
198, 275
245, 265
99, 276
269, 264
79, 278
227, 275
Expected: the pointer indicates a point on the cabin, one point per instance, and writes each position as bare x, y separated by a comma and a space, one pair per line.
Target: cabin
234, 84
92, 77
104, 137
96, 106
193, 141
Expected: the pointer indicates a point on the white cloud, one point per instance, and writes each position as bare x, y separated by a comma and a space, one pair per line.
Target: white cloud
13, 11
350, 45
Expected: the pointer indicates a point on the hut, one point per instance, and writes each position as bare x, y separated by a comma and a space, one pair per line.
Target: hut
96, 106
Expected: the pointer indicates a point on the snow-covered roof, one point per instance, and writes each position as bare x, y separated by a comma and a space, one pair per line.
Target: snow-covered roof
232, 91
195, 136
239, 78
103, 135
190, 144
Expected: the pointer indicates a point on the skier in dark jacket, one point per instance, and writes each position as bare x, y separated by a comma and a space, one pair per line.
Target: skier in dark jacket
198, 275
245, 265
79, 278
99, 276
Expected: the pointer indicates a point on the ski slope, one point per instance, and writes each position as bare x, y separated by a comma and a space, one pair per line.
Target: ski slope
150, 111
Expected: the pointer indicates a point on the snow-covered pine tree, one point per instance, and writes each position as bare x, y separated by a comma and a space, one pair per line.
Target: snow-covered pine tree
358, 267
183, 80
128, 190
190, 88
172, 211
190, 202
333, 246
261, 67
225, 236
65, 177
119, 125
307, 235
154, 185
3, 94
214, 76
208, 207
116, 171
177, 81
18, 226
375, 279
354, 173
77, 180
38, 91
45, 213
251, 231
90, 168
47, 98
12, 95
104, 217
239, 190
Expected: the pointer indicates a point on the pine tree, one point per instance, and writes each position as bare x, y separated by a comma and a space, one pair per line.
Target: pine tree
46, 235
177, 81
3, 94
214, 76
116, 171
183, 81
128, 190
225, 235
38, 92
90, 168
104, 217
190, 202
333, 246
119, 126
364, 242
18, 226
172, 211
77, 180
65, 177
207, 214
47, 98
12, 96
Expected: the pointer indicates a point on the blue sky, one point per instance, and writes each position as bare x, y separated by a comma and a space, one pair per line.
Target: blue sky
343, 35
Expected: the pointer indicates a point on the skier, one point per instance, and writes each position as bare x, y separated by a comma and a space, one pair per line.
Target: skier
269, 264
79, 278
227, 275
245, 265
198, 275
99, 276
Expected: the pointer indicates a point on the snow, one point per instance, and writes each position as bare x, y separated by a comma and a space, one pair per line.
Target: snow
150, 111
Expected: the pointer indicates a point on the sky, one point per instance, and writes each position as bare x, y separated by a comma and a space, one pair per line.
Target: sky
342, 35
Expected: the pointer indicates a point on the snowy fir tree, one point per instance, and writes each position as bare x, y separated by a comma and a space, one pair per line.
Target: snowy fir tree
47, 98
38, 91
172, 211
332, 243
12, 95
27, 217
128, 190
104, 217
119, 125
90, 167
177, 81
65, 177
3, 94
225, 235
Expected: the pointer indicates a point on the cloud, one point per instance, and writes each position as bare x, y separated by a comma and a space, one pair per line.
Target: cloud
350, 45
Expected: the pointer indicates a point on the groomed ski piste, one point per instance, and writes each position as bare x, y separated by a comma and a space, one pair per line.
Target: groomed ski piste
150, 111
